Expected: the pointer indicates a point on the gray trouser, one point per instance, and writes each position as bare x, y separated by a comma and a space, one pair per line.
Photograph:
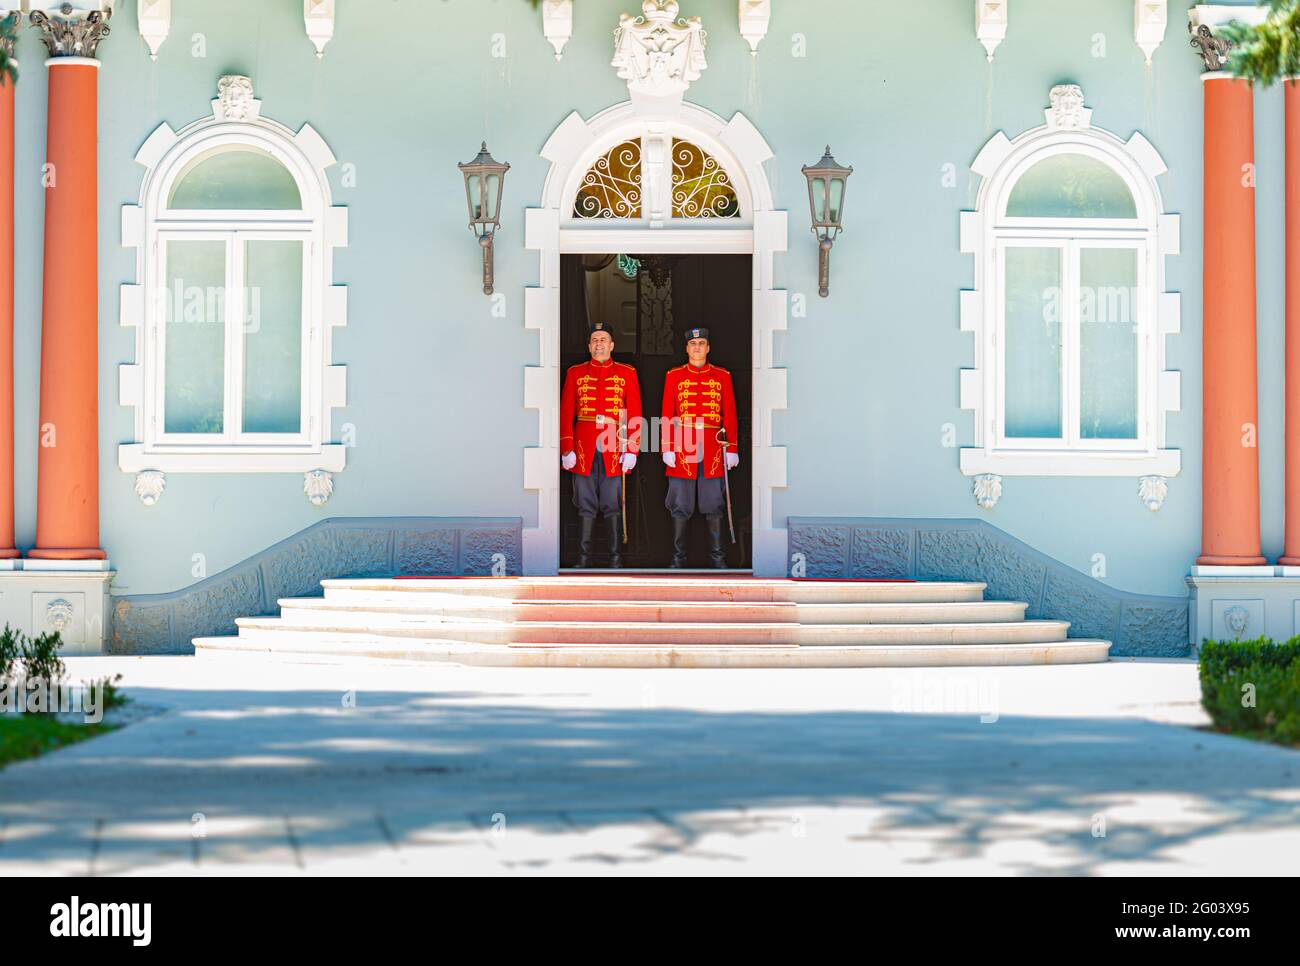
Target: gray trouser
683, 495
596, 492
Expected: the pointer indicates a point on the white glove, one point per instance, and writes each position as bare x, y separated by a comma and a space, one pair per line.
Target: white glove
670, 458
569, 460
629, 461
733, 460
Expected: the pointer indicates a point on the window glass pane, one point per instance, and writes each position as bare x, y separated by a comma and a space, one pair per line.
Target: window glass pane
1033, 342
1108, 367
272, 336
236, 178
1071, 186
194, 336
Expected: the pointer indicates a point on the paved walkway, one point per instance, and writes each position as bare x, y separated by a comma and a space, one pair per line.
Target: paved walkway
249, 766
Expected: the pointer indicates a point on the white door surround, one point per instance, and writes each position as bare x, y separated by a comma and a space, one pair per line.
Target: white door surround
551, 230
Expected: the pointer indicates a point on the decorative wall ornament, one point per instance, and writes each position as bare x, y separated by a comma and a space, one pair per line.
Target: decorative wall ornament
318, 485
235, 101
1152, 491
149, 486
991, 24
611, 188
701, 189
318, 15
1212, 49
987, 488
1150, 18
155, 20
59, 613
658, 53
72, 32
658, 327
755, 15
557, 23
1067, 112
1236, 619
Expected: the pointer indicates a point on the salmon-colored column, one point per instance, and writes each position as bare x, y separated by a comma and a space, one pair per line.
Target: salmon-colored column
7, 549
1291, 549
67, 492
1230, 420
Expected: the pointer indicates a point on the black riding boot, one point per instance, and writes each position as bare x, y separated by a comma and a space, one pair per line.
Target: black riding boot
717, 555
584, 540
615, 523
680, 527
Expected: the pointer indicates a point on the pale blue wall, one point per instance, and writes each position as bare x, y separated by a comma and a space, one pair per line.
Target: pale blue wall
408, 87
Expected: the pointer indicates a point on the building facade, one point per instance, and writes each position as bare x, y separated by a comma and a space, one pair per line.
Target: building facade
252, 347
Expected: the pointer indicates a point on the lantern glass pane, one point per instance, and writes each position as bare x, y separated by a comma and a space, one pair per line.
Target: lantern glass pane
818, 188
493, 197
837, 199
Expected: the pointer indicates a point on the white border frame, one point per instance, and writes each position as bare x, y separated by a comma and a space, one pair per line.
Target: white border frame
999, 165
550, 230
165, 154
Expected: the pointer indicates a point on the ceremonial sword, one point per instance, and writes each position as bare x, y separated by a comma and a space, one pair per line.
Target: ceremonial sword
726, 481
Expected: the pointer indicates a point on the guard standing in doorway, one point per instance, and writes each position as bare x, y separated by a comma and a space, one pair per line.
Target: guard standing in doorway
699, 440
600, 436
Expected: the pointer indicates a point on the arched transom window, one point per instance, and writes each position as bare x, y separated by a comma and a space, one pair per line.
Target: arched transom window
236, 232
1071, 239
638, 177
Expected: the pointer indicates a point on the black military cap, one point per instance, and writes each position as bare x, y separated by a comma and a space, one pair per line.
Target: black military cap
600, 327
696, 334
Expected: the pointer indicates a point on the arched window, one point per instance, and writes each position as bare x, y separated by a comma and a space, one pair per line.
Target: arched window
236, 231
1070, 239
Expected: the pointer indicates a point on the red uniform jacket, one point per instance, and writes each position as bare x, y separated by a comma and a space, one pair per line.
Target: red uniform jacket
593, 401
697, 404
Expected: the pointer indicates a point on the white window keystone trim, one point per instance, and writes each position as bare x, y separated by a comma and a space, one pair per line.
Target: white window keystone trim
999, 164
235, 120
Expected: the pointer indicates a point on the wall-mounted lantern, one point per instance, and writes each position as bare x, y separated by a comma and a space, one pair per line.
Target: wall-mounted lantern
484, 179
826, 181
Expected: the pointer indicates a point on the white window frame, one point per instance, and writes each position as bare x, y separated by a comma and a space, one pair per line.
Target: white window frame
987, 232
319, 226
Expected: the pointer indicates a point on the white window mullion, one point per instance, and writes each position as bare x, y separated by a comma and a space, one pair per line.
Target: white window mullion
1071, 344
235, 317
155, 336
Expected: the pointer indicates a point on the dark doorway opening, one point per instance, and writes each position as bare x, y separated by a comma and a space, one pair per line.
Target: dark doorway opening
650, 301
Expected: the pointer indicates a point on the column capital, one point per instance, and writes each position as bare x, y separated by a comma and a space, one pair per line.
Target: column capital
69, 31
1209, 46
9, 19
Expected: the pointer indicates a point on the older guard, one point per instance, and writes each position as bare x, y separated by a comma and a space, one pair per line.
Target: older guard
699, 433
600, 436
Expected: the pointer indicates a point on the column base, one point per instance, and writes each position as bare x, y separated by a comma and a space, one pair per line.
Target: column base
1255, 602
57, 553
1227, 560
76, 604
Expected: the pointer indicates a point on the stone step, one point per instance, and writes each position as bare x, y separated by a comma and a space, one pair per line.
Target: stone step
317, 610
660, 633
665, 589
317, 647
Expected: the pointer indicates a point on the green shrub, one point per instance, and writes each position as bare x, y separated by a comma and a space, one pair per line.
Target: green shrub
10, 650
1252, 688
41, 657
